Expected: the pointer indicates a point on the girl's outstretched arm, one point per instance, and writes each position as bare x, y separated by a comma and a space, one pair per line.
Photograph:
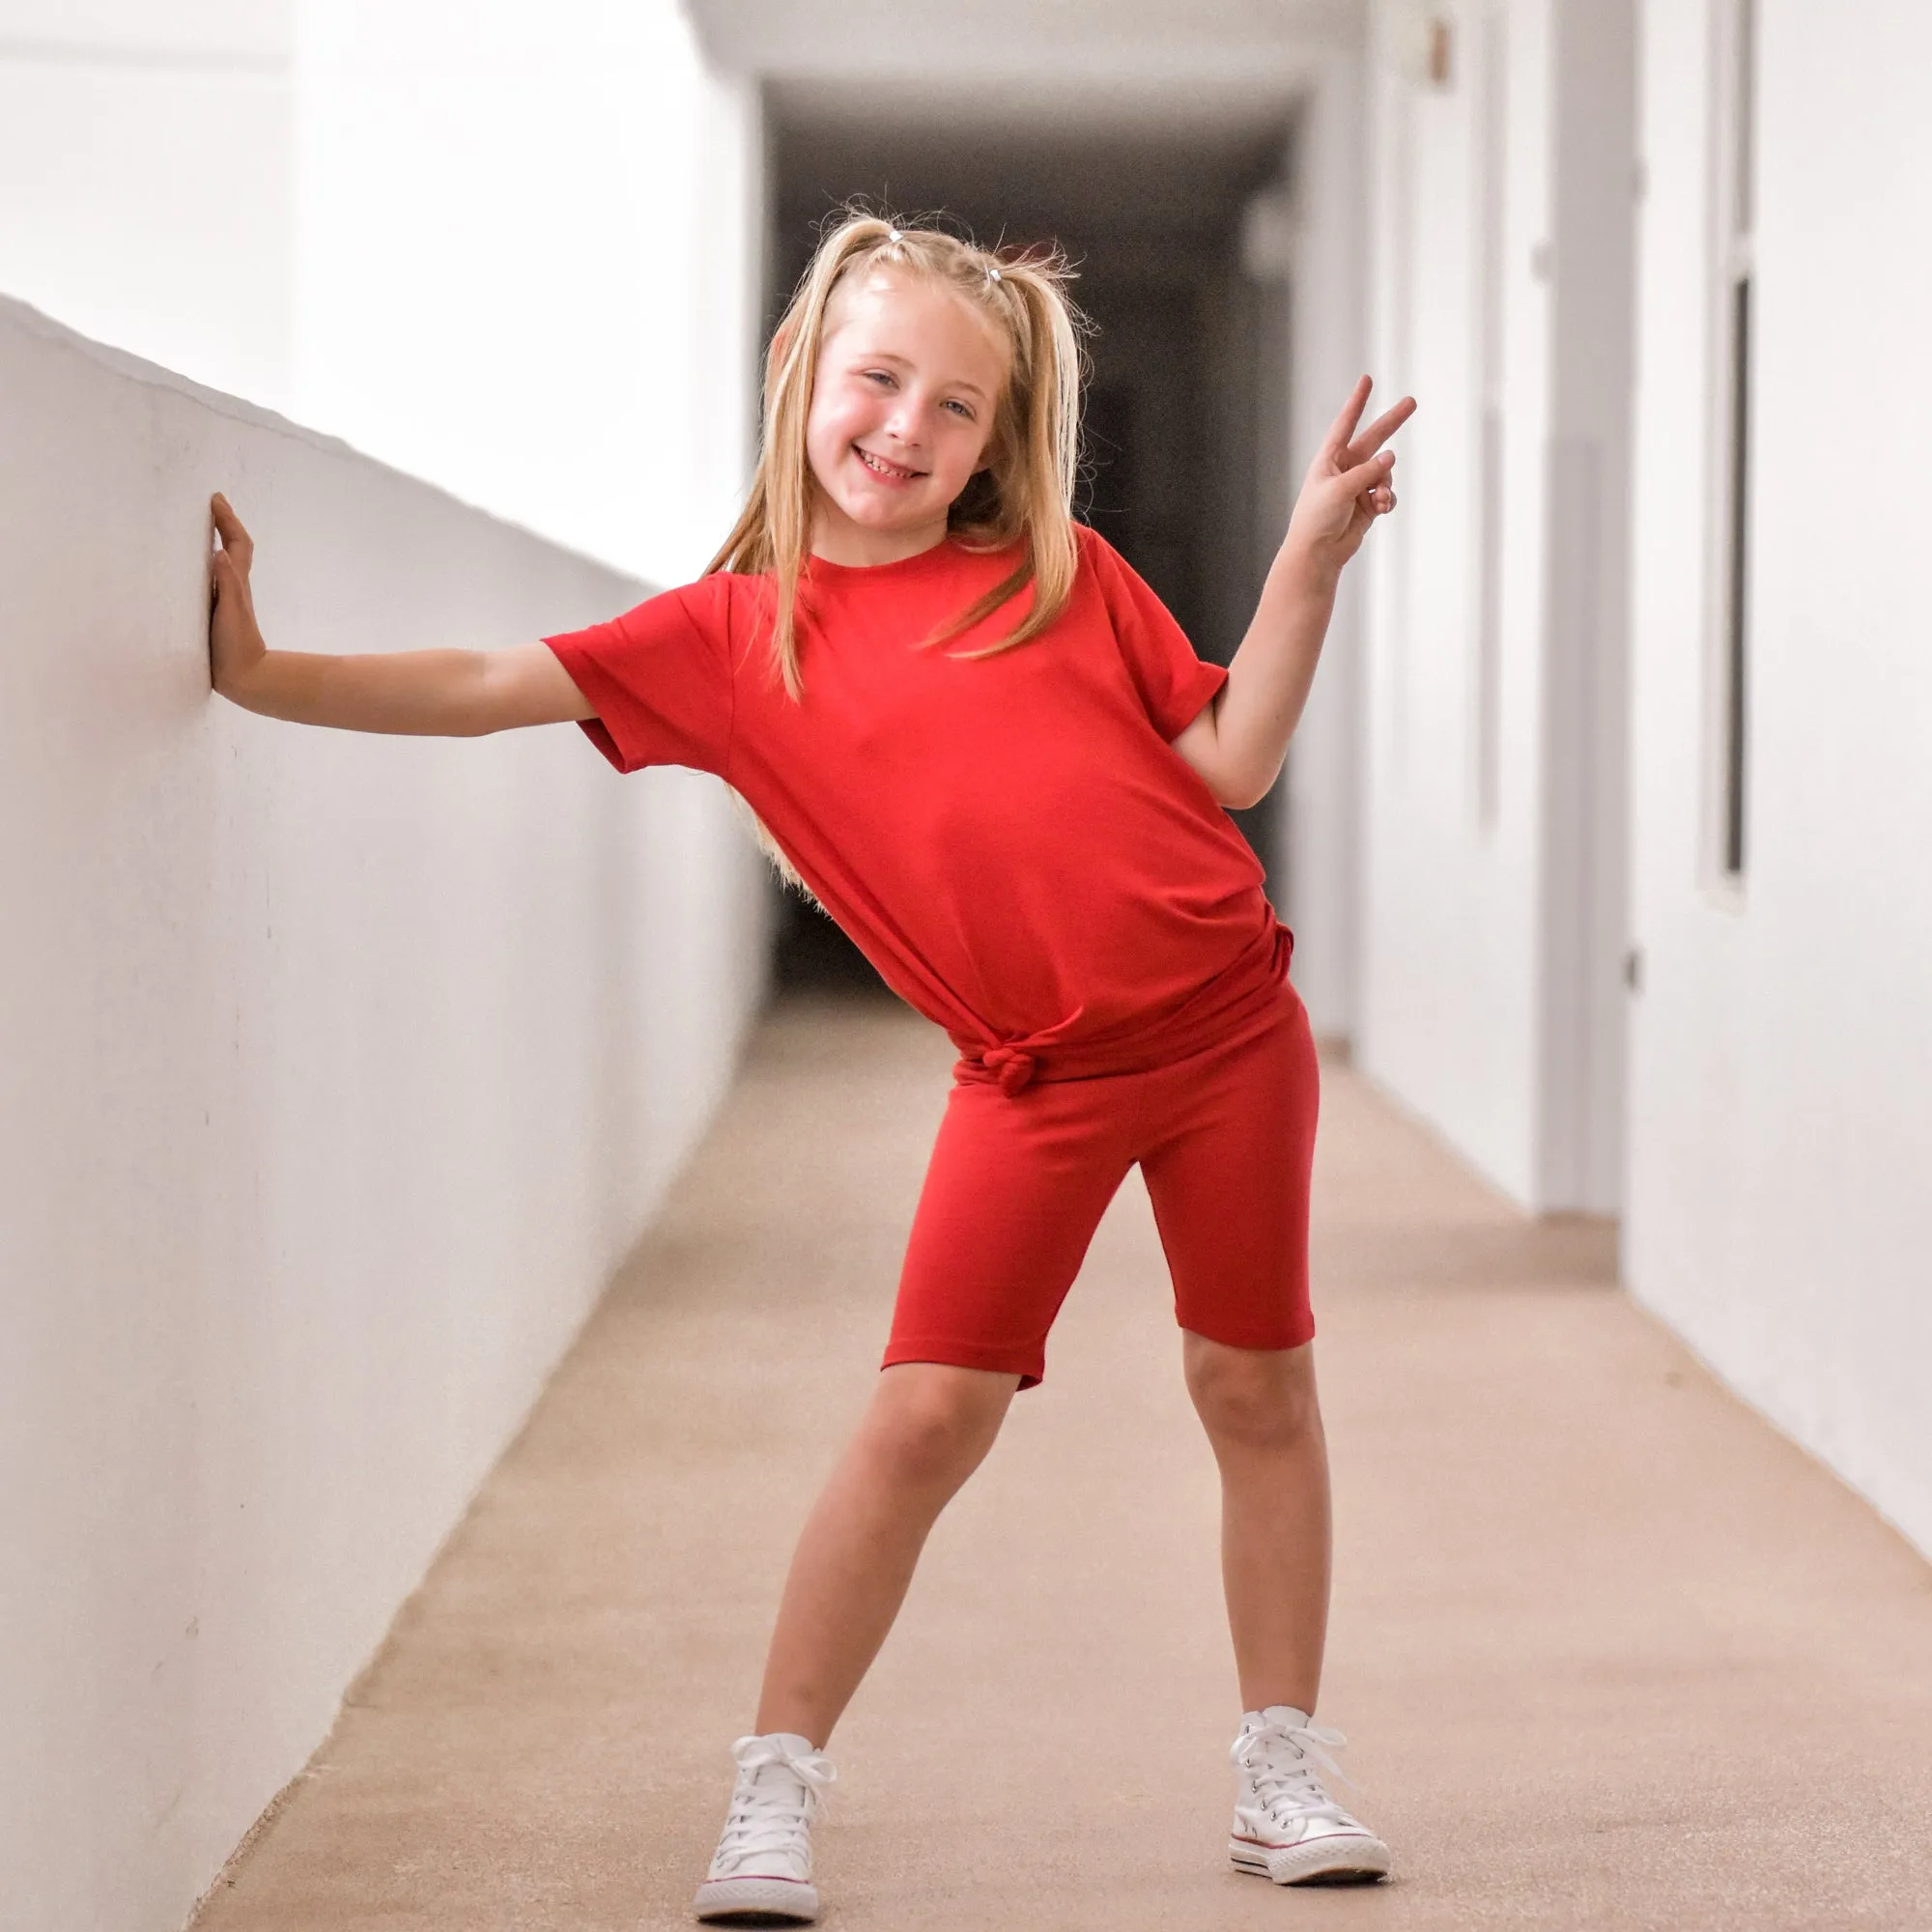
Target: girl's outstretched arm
431, 694
1238, 742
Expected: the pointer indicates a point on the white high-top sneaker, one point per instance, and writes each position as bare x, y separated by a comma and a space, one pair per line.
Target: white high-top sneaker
763, 1866
1286, 1828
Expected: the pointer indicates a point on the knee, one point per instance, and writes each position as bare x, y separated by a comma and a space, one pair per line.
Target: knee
1254, 1398
931, 1432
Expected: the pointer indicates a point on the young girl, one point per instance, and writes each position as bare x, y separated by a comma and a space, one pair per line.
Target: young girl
989, 752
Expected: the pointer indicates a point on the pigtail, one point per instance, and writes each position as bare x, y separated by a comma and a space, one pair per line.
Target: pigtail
774, 531
1032, 479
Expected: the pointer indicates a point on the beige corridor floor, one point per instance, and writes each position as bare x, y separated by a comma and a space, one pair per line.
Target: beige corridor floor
1610, 1652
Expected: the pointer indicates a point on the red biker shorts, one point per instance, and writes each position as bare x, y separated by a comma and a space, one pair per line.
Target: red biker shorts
1018, 1182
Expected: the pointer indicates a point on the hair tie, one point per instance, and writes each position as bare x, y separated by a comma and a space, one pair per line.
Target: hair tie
893, 234
992, 275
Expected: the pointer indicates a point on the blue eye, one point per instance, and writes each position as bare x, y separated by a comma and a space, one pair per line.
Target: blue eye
962, 409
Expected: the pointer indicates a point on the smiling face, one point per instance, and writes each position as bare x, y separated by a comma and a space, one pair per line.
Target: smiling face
903, 405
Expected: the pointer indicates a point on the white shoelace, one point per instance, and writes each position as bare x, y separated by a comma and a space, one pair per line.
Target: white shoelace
1289, 1787
771, 1814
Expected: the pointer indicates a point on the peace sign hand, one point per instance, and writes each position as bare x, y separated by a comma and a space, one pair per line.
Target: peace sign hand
1348, 485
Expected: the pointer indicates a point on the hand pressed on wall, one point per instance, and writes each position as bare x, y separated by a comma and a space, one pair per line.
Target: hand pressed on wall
234, 644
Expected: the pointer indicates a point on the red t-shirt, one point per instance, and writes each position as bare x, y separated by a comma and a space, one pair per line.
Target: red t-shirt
1012, 839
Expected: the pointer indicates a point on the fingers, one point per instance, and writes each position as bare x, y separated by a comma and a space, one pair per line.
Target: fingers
1344, 425
236, 541
1380, 431
1372, 475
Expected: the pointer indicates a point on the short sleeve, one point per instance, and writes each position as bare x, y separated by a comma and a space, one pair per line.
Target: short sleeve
659, 678
1175, 684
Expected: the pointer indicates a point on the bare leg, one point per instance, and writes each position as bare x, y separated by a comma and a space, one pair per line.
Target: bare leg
1260, 1409
928, 1427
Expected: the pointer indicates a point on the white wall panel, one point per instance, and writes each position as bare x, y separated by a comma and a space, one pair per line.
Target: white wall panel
1328, 349
145, 179
336, 1074
1451, 971
1492, 867
528, 264
510, 249
1782, 1048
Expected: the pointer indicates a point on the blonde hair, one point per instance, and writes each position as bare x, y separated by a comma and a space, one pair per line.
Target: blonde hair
1026, 489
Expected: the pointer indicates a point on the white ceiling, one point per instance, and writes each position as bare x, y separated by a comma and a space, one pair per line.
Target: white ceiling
1088, 64
1130, 129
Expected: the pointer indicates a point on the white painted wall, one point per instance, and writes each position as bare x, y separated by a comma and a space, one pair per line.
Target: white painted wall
529, 262
1328, 349
1449, 954
336, 1072
146, 179
510, 249
1780, 1133
1492, 913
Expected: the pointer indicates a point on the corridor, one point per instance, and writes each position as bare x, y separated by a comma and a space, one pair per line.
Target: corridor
450, 1216
1611, 1650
